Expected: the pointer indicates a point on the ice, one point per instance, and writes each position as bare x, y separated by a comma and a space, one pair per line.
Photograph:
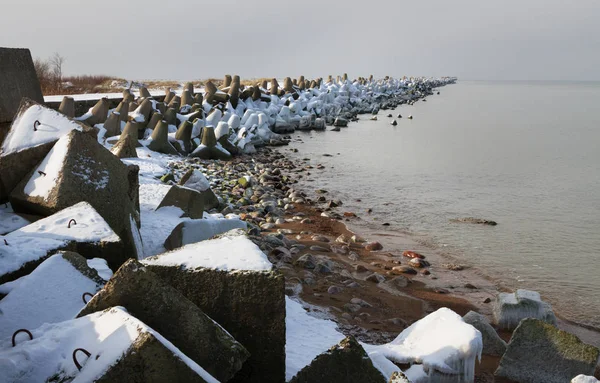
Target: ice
306, 337
441, 341
510, 309
227, 253
53, 125
51, 293
106, 335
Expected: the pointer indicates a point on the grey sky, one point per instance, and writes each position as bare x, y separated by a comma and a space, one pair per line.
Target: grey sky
176, 39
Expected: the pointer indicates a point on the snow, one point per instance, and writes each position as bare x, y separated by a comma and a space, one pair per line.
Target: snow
199, 230
53, 125
197, 181
101, 267
584, 379
89, 226
10, 221
99, 96
51, 293
45, 176
23, 249
441, 341
106, 335
227, 253
306, 337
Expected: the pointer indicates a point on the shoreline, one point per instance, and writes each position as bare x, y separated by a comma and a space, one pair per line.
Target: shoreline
453, 282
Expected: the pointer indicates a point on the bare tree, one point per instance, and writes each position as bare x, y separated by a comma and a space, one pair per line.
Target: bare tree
56, 64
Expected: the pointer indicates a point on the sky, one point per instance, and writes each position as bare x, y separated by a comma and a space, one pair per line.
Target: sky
187, 40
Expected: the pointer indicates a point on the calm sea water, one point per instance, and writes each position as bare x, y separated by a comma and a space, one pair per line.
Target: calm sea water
526, 155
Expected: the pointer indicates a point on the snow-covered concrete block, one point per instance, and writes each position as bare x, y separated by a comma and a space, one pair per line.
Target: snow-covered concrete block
194, 179
189, 232
344, 362
11, 221
52, 293
492, 343
121, 349
32, 134
165, 309
442, 343
78, 228
188, 200
511, 308
584, 379
77, 169
234, 283
539, 352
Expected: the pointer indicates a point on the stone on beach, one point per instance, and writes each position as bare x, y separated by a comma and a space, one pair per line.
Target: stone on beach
232, 281
166, 310
538, 352
200, 230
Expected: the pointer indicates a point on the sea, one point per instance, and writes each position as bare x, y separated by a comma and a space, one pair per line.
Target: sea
523, 154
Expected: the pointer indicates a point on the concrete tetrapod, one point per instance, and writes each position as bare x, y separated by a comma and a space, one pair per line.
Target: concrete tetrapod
165, 309
160, 140
125, 147
184, 136
210, 149
123, 110
67, 106
113, 125
98, 113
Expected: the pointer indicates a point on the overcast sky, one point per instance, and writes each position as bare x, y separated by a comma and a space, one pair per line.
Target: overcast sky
184, 40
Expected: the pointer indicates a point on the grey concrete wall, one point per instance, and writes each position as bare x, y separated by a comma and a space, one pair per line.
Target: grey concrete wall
17, 80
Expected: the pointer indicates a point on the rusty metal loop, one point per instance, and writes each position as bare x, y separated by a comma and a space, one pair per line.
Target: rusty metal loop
72, 220
86, 352
14, 340
5, 242
86, 294
36, 123
41, 173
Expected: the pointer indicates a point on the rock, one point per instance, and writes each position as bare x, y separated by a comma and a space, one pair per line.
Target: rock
360, 302
373, 246
320, 238
418, 262
412, 254
453, 266
165, 309
376, 278
345, 362
539, 352
360, 269
319, 248
77, 228
52, 293
79, 169
121, 349
398, 377
334, 290
188, 200
399, 282
510, 308
23, 147
341, 122
473, 220
584, 379
492, 343
323, 268
125, 147
195, 231
402, 269
394, 123
246, 297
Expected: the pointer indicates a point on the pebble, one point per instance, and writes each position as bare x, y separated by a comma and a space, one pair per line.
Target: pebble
376, 278
403, 270
334, 290
412, 254
306, 261
320, 238
360, 269
374, 246
319, 248
360, 302
418, 263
